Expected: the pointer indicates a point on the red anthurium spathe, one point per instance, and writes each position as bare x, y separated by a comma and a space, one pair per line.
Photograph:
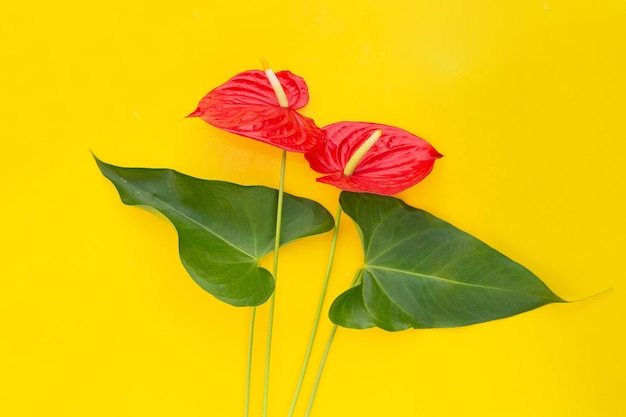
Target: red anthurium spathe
262, 105
372, 158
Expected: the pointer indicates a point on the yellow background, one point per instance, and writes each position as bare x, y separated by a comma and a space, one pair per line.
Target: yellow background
525, 99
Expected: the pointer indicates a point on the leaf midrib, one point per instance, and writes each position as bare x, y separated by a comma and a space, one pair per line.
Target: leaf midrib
253, 258
436, 278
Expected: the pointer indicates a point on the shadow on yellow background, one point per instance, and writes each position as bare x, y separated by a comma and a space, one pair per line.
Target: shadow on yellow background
98, 317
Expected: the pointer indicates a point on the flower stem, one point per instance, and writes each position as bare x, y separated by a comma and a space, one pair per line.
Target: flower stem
329, 343
318, 313
270, 325
246, 411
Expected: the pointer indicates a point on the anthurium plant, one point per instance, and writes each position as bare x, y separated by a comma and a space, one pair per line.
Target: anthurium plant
418, 271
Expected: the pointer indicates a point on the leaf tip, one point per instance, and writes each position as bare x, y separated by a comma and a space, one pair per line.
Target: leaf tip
589, 296
95, 157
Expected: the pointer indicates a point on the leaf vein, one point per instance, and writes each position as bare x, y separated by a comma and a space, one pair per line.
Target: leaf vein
449, 281
196, 222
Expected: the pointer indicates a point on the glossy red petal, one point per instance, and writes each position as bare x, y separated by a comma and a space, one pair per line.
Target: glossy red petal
397, 161
247, 105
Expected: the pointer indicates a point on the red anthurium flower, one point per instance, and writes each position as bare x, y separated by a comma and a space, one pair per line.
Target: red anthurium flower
372, 158
262, 105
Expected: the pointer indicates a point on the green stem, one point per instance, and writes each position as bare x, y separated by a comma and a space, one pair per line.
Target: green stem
246, 411
270, 325
318, 314
329, 343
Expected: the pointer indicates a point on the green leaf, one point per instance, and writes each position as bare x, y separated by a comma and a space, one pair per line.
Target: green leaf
224, 229
422, 272
349, 309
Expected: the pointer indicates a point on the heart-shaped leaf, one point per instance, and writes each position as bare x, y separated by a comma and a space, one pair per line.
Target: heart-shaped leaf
422, 272
224, 229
